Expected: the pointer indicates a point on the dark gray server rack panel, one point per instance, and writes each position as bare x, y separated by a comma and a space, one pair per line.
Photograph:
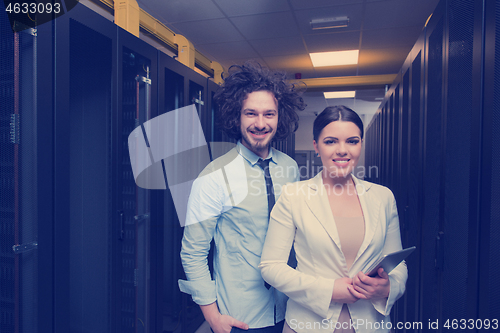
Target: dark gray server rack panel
414, 211
430, 244
90, 178
19, 185
92, 252
9, 306
494, 259
442, 165
395, 155
489, 228
457, 141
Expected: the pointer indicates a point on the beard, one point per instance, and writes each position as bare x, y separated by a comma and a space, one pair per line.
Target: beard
257, 145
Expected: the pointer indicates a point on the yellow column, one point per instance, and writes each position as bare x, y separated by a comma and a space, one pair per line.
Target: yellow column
186, 51
127, 15
218, 70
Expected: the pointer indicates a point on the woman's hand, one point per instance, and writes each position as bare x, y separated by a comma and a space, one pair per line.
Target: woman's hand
366, 287
341, 292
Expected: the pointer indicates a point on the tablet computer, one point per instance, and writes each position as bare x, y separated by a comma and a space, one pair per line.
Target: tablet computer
389, 261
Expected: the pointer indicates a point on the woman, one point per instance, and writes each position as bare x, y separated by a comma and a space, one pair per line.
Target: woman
339, 225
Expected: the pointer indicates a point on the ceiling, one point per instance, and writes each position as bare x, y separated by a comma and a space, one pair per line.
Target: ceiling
277, 34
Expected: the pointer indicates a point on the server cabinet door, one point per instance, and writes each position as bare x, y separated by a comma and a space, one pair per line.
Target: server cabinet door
181, 87
18, 182
83, 90
88, 147
172, 300
134, 300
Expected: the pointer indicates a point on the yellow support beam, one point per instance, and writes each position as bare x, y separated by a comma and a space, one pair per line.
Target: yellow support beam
127, 15
185, 52
109, 4
203, 63
347, 82
157, 29
218, 70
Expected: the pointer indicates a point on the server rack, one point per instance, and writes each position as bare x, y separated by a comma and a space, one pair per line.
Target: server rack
95, 253
18, 224
433, 140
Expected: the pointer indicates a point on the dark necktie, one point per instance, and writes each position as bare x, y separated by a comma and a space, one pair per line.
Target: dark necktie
264, 164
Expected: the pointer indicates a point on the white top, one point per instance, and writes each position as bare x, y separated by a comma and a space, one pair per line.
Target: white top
302, 216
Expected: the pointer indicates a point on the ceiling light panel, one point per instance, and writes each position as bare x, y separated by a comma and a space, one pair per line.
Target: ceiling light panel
337, 58
339, 94
329, 23
301, 4
354, 11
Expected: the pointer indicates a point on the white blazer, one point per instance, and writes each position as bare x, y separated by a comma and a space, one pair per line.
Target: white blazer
303, 216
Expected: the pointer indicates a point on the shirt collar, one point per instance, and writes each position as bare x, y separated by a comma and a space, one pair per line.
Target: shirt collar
250, 156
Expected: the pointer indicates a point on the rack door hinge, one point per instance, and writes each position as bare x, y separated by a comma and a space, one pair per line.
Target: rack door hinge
141, 217
31, 31
20, 27
15, 128
23, 248
146, 80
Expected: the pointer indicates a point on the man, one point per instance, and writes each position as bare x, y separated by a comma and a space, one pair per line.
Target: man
230, 203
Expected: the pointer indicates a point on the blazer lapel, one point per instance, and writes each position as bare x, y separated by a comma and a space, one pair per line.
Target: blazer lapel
370, 205
317, 201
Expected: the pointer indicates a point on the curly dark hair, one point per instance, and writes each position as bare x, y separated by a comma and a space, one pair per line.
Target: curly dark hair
251, 77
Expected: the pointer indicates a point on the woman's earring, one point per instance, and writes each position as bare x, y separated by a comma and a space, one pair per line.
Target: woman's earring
317, 154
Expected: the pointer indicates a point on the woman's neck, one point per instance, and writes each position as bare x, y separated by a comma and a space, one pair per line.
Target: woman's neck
338, 183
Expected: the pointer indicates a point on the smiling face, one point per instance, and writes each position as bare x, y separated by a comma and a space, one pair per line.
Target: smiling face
258, 122
339, 146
